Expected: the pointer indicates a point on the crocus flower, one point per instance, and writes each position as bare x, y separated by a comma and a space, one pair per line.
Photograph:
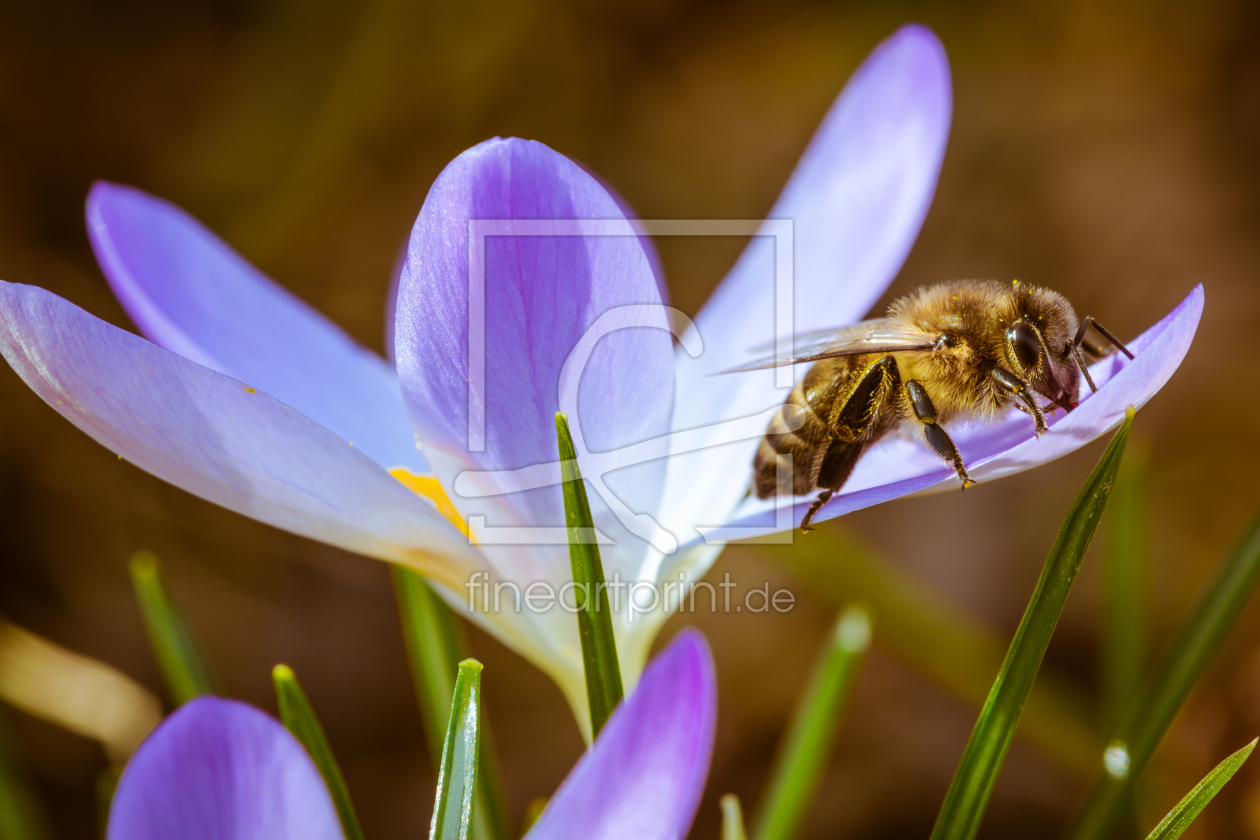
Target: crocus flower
222, 770
267, 408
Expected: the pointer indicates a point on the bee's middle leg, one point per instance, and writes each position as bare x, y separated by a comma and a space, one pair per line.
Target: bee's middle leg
935, 435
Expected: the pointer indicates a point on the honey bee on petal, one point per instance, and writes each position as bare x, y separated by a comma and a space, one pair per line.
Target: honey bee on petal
962, 350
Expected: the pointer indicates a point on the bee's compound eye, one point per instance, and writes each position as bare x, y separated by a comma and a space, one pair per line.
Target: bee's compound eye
1024, 343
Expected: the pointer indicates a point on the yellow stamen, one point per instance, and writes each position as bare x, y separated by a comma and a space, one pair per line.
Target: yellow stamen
429, 487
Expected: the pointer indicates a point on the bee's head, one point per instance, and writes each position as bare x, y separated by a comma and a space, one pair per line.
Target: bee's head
1030, 356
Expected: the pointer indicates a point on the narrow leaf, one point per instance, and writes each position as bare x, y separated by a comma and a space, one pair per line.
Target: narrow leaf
106, 784
969, 792
174, 645
941, 641
807, 745
599, 648
1180, 817
1123, 648
732, 818
457, 775
20, 815
299, 718
1179, 668
435, 647
1123, 585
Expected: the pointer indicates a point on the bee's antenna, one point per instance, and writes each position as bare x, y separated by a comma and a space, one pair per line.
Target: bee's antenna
1106, 333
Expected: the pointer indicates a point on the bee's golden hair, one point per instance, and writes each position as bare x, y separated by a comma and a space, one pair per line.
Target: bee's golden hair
977, 313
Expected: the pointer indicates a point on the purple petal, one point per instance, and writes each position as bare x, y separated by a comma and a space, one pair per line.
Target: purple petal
643, 777
219, 439
189, 292
645, 239
896, 467
221, 770
856, 200
541, 294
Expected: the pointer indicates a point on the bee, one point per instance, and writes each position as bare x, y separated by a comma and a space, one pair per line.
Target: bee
961, 350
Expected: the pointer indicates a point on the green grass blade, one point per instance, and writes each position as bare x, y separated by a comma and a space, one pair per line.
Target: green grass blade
1179, 668
1180, 817
299, 718
435, 647
106, 786
1122, 611
178, 654
969, 792
944, 643
732, 818
20, 814
599, 648
811, 733
457, 777
1123, 587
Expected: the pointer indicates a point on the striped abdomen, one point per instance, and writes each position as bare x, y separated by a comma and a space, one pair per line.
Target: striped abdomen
841, 405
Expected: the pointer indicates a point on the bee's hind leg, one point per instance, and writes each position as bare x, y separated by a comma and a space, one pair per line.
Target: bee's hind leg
936, 436
822, 499
837, 465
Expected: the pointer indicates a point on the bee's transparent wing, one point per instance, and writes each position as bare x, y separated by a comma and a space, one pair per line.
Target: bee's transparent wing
877, 336
805, 342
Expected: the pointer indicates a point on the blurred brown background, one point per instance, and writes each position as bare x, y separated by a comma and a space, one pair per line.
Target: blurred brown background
1110, 150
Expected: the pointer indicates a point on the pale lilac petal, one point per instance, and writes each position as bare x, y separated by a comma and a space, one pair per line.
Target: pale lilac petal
189, 292
645, 239
221, 770
856, 202
219, 439
644, 776
541, 294
896, 467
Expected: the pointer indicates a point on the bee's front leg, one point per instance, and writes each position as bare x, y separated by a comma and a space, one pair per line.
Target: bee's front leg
935, 435
1012, 384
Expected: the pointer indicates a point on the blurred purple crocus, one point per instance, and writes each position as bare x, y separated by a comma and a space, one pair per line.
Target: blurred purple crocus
222, 770
251, 399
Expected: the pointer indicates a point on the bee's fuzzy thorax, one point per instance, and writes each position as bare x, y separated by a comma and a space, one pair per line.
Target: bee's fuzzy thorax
976, 315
